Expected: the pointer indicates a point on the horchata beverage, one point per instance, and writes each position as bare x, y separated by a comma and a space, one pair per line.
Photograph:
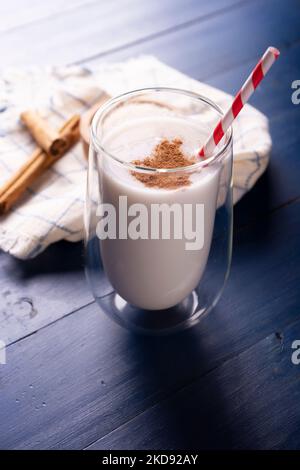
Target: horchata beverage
155, 227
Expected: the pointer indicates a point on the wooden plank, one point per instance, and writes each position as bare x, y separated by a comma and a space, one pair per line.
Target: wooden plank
250, 402
274, 94
53, 295
281, 182
100, 26
47, 402
15, 14
225, 41
37, 292
45, 299
92, 376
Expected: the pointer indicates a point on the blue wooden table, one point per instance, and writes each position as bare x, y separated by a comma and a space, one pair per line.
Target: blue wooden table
75, 380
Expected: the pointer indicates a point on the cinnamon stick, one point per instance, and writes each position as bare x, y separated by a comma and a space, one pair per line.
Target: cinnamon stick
46, 137
35, 166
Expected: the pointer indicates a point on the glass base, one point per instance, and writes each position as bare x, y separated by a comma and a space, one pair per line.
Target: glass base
152, 322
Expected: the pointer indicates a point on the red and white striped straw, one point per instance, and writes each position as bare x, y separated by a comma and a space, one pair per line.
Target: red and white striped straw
241, 98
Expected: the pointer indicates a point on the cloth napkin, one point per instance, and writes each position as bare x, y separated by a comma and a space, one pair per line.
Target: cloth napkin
52, 208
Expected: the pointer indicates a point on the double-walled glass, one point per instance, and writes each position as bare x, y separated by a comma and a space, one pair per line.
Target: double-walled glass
158, 240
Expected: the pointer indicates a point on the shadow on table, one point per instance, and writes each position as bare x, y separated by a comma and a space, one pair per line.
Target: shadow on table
256, 203
186, 369
194, 412
57, 258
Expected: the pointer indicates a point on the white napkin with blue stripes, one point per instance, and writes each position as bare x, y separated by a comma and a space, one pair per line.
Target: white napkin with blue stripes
52, 208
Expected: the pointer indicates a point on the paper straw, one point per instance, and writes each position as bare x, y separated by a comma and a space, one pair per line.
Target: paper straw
252, 82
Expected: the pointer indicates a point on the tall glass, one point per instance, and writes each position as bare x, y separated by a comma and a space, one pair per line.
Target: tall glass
158, 254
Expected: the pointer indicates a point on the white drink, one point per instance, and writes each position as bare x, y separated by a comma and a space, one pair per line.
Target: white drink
149, 273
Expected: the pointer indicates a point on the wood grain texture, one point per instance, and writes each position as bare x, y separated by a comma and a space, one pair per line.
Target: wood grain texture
222, 42
227, 383
101, 26
17, 13
37, 292
93, 377
54, 295
247, 403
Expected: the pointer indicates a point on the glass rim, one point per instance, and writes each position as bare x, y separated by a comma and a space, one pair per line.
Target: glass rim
95, 141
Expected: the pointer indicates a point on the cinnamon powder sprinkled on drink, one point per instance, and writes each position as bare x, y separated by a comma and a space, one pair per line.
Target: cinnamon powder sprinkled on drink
166, 154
